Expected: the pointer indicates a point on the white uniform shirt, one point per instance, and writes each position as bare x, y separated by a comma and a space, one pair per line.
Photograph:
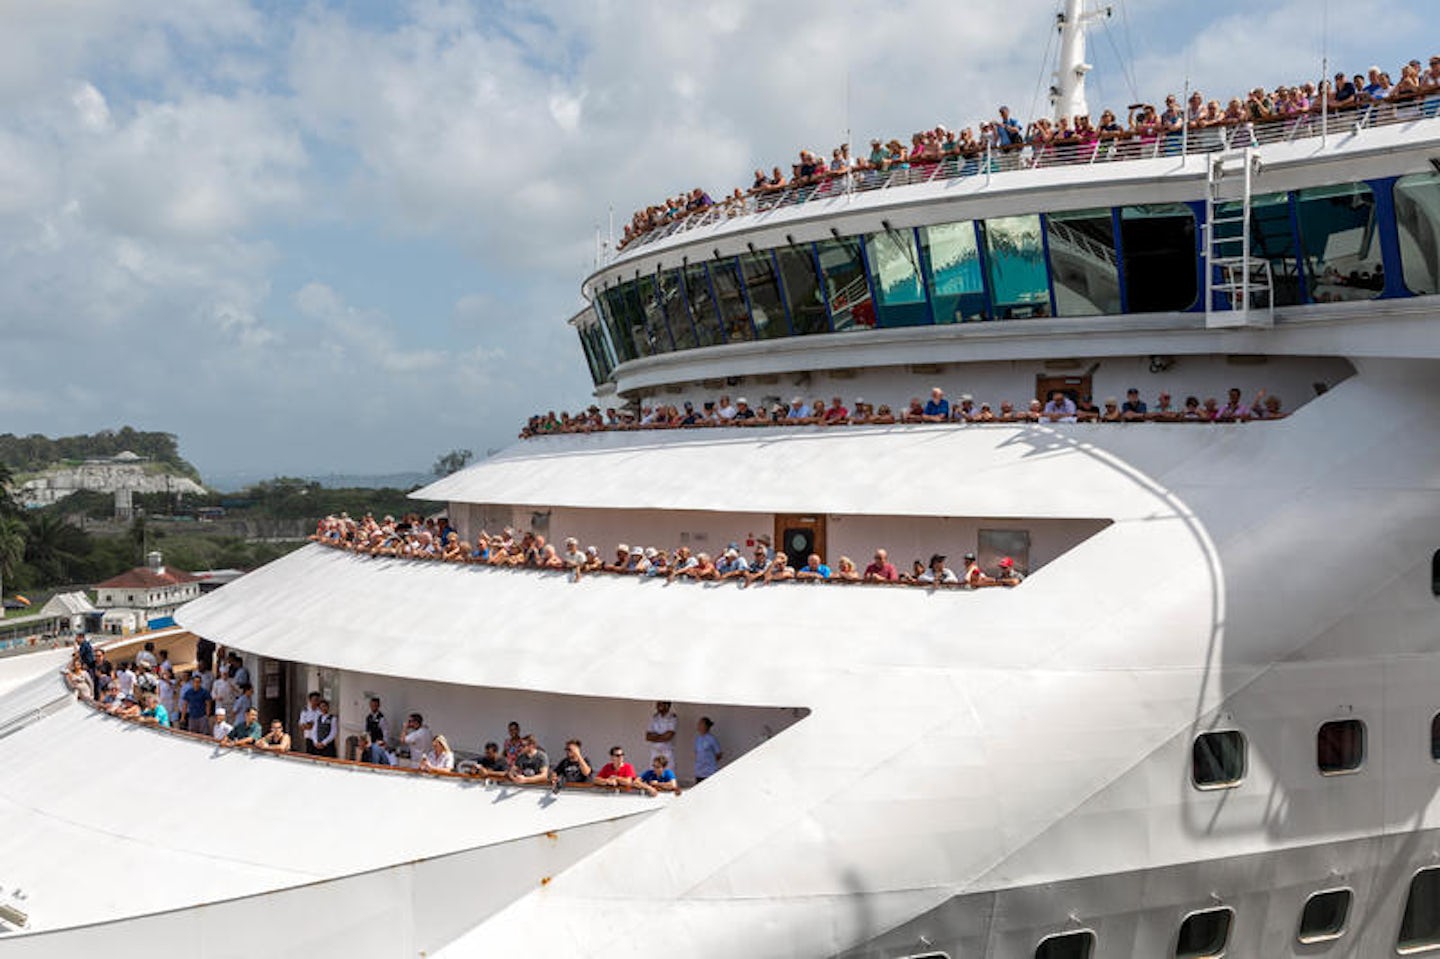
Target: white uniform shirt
663, 724
308, 715
419, 741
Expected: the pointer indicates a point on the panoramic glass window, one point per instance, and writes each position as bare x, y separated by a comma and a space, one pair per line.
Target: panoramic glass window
1420, 925
1159, 245
846, 288
677, 315
1015, 258
1340, 746
802, 290
957, 288
703, 314
1324, 916
899, 285
1417, 216
1271, 238
590, 359
1340, 242
767, 310
657, 332
1218, 759
734, 314
1067, 945
635, 317
1203, 935
612, 310
1084, 263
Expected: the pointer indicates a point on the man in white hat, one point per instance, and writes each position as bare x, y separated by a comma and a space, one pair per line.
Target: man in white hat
222, 726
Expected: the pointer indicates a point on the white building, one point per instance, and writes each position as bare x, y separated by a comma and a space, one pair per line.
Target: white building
143, 594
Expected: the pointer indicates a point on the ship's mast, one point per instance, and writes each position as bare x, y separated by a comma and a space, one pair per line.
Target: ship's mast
1067, 95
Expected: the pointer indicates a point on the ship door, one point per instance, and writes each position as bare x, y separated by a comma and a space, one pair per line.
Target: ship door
1074, 387
799, 536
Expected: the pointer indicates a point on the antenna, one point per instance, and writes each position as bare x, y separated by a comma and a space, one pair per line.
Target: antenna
849, 180
1325, 75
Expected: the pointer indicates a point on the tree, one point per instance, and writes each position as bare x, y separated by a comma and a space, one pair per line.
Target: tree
54, 548
12, 548
452, 462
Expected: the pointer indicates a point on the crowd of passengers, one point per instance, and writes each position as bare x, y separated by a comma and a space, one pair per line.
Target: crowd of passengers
1060, 408
410, 537
1144, 122
217, 700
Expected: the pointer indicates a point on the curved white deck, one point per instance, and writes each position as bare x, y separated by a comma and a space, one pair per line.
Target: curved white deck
182, 824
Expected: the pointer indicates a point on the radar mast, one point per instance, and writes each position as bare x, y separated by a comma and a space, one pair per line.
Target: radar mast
1067, 95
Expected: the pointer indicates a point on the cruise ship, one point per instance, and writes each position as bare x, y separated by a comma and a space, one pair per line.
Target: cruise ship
1207, 723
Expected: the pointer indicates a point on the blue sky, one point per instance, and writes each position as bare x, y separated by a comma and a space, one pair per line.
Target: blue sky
345, 236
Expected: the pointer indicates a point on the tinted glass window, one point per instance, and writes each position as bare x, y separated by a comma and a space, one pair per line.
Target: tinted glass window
1420, 925
1069, 945
1084, 263
703, 314
1218, 759
677, 315
1159, 245
1417, 215
590, 360
899, 286
1203, 934
1324, 915
1340, 242
1435, 573
846, 287
615, 314
734, 314
635, 318
657, 334
1271, 238
957, 289
766, 308
1340, 746
802, 290
1015, 259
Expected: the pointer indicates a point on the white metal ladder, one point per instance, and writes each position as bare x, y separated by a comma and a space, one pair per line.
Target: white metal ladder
1243, 281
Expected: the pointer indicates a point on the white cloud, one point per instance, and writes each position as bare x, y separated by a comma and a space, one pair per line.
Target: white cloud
173, 174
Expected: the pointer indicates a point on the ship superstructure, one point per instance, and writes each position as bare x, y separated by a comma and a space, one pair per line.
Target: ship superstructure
1205, 724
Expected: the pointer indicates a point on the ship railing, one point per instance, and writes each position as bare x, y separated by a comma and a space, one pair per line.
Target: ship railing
1330, 122
334, 762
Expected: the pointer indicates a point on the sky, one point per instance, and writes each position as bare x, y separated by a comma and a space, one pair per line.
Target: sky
344, 237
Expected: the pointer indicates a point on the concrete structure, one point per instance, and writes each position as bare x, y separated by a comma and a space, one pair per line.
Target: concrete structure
124, 475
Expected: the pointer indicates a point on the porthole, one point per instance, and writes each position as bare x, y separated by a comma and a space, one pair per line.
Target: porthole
1435, 737
1067, 945
1218, 759
1203, 935
1340, 747
1325, 915
1420, 926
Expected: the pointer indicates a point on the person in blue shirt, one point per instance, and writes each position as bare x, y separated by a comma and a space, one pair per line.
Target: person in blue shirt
707, 750
154, 712
660, 776
196, 705
813, 569
1007, 131
937, 410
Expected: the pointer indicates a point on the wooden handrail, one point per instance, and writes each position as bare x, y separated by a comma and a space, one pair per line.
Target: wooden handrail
348, 763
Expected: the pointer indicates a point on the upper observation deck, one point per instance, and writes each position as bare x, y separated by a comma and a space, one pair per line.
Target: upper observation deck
1120, 235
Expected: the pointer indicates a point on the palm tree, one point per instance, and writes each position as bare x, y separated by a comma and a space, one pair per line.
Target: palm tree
12, 548
54, 547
